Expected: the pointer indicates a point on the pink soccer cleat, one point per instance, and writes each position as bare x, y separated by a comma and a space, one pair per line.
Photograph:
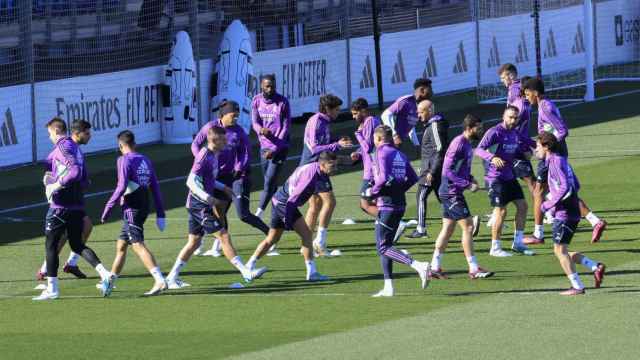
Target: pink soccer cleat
597, 231
598, 275
573, 292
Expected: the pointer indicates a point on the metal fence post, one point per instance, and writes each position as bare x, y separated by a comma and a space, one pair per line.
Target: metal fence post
195, 35
347, 27
27, 51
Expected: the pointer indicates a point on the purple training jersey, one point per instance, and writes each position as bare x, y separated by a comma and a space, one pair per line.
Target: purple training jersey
205, 169
317, 138
275, 115
68, 168
562, 200
405, 112
515, 98
550, 120
505, 144
135, 177
299, 187
456, 169
364, 135
393, 176
235, 155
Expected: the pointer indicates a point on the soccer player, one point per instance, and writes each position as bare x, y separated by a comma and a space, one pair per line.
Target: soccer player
305, 181
562, 202
65, 192
204, 218
317, 139
80, 134
456, 178
234, 168
393, 176
402, 115
550, 120
135, 177
435, 141
270, 119
366, 123
500, 146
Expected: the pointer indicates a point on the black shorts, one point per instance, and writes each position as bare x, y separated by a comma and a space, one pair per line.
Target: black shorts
324, 186
502, 192
542, 172
227, 180
278, 214
133, 225
366, 184
202, 221
57, 221
563, 230
522, 168
454, 207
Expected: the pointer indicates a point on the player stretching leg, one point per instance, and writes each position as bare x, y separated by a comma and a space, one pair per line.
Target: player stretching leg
135, 177
305, 181
203, 217
563, 204
364, 134
393, 176
499, 146
456, 178
65, 191
550, 120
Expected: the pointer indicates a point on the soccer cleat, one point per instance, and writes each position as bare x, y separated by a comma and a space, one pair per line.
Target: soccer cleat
316, 276
600, 227
157, 289
383, 293
424, 271
41, 276
176, 283
212, 252
572, 292
476, 225
46, 295
598, 275
254, 274
439, 274
199, 251
417, 235
522, 249
402, 226
273, 251
499, 253
106, 285
320, 251
74, 270
532, 240
481, 274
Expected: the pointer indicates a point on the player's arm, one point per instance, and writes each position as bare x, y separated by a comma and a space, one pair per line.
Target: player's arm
121, 187
312, 143
74, 172
304, 180
488, 140
380, 176
281, 140
199, 140
155, 191
439, 133
558, 170
449, 167
412, 177
552, 114
389, 117
256, 121
241, 165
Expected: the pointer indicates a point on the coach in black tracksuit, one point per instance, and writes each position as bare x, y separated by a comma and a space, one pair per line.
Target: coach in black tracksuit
434, 145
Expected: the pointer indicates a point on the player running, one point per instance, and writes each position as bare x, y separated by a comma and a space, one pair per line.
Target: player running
305, 181
135, 177
402, 115
550, 120
562, 202
65, 186
499, 147
456, 178
393, 176
204, 218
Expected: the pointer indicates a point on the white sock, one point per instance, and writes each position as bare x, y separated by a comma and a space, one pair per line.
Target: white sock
576, 283
175, 270
473, 264
517, 237
104, 273
321, 237
238, 264
436, 259
592, 218
420, 229
217, 245
538, 231
157, 274
43, 268
251, 264
52, 284
73, 259
496, 245
311, 267
388, 285
588, 263
259, 212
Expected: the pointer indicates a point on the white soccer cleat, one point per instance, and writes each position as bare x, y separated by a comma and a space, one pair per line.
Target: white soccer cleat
175, 284
254, 274
424, 271
157, 289
320, 250
212, 252
499, 253
316, 276
199, 251
273, 251
402, 226
383, 293
46, 295
107, 285
40, 287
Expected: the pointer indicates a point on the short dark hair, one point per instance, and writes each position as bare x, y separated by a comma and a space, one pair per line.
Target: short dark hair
534, 84
549, 141
384, 131
228, 106
127, 137
360, 104
470, 121
270, 77
327, 156
512, 108
58, 124
78, 126
421, 82
523, 80
329, 101
217, 130
508, 67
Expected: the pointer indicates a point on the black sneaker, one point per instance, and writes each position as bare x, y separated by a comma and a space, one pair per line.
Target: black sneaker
74, 270
417, 234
